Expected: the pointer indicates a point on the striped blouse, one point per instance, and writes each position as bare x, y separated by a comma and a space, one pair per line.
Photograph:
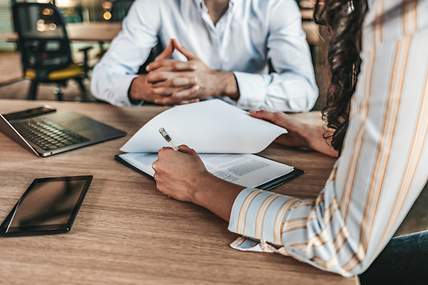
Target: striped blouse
383, 166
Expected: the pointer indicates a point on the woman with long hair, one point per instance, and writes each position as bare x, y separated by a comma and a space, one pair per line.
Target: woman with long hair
375, 122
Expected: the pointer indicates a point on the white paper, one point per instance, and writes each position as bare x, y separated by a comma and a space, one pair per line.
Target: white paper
211, 126
246, 170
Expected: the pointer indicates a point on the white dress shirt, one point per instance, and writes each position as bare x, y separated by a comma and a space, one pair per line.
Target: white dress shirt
383, 165
249, 34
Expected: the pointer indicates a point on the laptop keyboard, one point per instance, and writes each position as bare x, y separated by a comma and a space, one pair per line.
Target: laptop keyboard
48, 135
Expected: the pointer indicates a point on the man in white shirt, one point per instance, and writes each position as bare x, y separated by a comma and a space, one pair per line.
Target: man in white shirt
222, 48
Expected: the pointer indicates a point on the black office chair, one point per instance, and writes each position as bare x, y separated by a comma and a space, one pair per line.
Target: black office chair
120, 9
45, 49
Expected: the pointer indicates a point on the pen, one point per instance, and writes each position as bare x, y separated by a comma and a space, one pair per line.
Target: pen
168, 138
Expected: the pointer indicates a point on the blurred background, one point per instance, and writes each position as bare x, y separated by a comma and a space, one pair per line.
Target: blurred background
91, 25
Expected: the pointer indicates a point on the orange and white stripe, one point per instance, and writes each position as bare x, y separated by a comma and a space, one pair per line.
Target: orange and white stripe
384, 163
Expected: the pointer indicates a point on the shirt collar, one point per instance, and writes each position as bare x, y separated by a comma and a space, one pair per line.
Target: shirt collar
201, 3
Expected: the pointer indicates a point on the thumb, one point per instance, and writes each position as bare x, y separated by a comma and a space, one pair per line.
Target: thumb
186, 149
187, 53
167, 52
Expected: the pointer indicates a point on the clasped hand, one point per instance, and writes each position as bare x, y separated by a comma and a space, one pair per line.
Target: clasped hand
172, 82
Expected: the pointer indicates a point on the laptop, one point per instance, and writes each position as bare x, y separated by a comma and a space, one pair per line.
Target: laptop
46, 132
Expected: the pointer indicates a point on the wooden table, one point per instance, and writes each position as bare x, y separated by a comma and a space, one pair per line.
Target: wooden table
126, 231
82, 32
105, 32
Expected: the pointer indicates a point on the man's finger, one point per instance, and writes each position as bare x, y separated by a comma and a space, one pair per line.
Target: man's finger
162, 87
162, 63
183, 81
175, 100
164, 91
168, 101
189, 101
171, 65
158, 76
187, 94
188, 54
191, 93
167, 52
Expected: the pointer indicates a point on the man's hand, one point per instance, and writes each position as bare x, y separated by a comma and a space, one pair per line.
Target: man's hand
141, 89
179, 82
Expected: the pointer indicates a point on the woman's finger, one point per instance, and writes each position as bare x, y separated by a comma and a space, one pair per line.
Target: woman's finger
184, 148
155, 165
275, 118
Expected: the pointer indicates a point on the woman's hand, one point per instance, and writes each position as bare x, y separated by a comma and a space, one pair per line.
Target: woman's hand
304, 130
182, 175
178, 174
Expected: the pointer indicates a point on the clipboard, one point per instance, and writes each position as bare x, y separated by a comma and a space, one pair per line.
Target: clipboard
268, 186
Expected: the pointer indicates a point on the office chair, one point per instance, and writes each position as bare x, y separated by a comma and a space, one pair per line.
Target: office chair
45, 49
120, 9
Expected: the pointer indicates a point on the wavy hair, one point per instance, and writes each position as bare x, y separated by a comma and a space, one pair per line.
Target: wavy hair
344, 18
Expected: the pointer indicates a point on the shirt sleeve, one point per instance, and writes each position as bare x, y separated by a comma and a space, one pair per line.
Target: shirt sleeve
379, 175
129, 50
291, 87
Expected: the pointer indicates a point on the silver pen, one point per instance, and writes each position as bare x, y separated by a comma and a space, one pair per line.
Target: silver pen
168, 138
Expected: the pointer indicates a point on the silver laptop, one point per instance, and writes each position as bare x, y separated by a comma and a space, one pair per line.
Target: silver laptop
46, 132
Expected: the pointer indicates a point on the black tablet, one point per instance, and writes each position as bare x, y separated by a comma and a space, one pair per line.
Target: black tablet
49, 206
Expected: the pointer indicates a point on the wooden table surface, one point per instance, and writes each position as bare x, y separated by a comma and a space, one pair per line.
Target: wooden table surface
105, 32
128, 233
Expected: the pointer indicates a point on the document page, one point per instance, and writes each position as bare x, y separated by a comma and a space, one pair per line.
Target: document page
211, 126
246, 170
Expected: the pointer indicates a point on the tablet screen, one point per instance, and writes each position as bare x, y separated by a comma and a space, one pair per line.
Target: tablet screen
48, 206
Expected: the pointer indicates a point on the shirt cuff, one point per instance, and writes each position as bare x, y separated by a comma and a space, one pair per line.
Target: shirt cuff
258, 214
121, 87
252, 90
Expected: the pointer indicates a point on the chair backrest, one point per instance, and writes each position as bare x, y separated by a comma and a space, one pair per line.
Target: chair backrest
43, 40
120, 9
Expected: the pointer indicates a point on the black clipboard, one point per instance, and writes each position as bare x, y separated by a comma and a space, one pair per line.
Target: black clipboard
268, 186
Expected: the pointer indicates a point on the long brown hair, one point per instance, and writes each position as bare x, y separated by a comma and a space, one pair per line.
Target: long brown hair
344, 19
